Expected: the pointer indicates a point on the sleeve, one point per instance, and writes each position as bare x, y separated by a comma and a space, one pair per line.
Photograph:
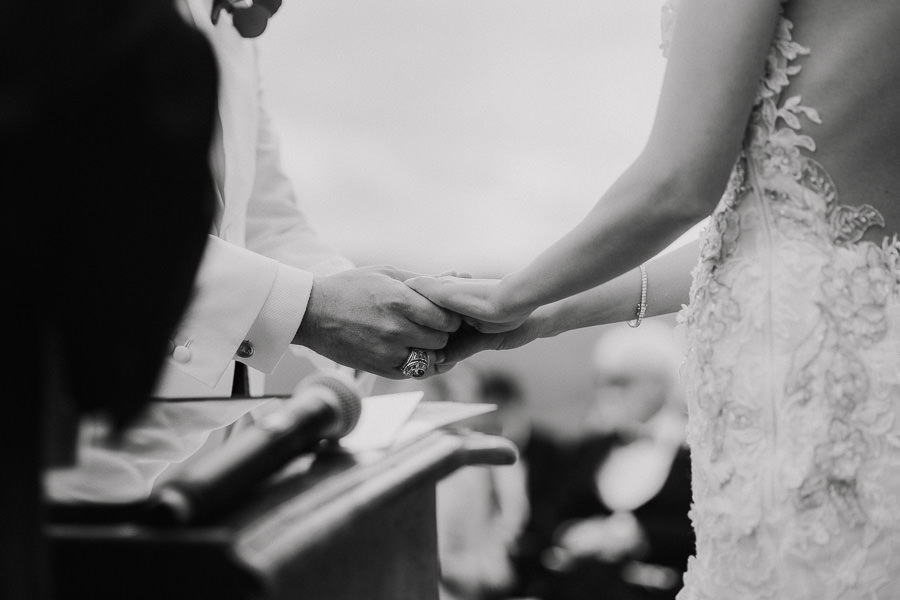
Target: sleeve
278, 229
231, 288
126, 470
255, 296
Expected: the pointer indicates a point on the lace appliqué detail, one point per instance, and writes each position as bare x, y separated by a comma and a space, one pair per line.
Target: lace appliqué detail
777, 151
787, 309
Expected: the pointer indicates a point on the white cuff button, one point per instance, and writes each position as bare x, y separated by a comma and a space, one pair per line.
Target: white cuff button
181, 354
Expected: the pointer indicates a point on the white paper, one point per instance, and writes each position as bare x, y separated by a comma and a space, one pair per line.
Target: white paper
429, 416
380, 421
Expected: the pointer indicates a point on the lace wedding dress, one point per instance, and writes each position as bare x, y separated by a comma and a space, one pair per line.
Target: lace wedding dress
793, 374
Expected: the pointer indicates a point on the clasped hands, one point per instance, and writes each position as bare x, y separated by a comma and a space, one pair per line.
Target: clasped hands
492, 318
370, 318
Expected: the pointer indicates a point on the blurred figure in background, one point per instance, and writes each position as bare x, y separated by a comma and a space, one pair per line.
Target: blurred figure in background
611, 518
480, 510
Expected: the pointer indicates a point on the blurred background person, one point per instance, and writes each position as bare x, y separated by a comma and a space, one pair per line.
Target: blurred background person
480, 510
512, 421
609, 512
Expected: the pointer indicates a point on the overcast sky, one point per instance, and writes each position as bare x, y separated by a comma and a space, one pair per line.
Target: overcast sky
462, 134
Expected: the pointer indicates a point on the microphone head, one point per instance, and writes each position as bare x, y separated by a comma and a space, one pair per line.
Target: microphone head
349, 402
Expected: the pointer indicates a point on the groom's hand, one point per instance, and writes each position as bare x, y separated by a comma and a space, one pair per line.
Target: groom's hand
367, 319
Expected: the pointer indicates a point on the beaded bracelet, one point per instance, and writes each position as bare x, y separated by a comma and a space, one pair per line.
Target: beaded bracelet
641, 309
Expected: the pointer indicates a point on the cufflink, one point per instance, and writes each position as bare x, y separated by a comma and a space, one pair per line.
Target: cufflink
245, 350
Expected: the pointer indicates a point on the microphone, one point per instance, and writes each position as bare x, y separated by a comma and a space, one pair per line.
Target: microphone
322, 408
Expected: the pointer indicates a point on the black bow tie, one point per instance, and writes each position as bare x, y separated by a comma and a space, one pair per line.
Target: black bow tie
250, 17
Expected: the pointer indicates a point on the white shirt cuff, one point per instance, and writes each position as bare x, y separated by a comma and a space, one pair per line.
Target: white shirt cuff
276, 325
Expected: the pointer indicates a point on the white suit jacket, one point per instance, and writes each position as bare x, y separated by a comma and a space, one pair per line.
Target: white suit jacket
262, 254
252, 287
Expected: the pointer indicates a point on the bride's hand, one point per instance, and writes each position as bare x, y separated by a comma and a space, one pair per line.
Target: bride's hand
481, 302
466, 341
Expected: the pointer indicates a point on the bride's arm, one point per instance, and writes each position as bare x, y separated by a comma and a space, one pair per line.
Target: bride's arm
717, 57
669, 281
611, 302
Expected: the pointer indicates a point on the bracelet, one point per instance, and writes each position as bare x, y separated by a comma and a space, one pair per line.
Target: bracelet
641, 309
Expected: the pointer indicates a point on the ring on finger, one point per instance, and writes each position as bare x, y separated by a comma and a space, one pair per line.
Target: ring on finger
416, 364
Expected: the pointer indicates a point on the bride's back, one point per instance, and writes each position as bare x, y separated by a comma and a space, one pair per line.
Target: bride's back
791, 329
852, 77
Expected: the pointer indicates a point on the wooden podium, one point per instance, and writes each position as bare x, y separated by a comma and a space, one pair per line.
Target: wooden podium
345, 527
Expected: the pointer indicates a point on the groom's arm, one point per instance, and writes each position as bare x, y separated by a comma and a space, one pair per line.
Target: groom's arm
363, 318
283, 288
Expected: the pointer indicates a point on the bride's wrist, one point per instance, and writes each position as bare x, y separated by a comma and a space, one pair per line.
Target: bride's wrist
513, 297
548, 321
542, 323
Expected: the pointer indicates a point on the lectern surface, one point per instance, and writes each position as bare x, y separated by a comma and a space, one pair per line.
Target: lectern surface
336, 527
